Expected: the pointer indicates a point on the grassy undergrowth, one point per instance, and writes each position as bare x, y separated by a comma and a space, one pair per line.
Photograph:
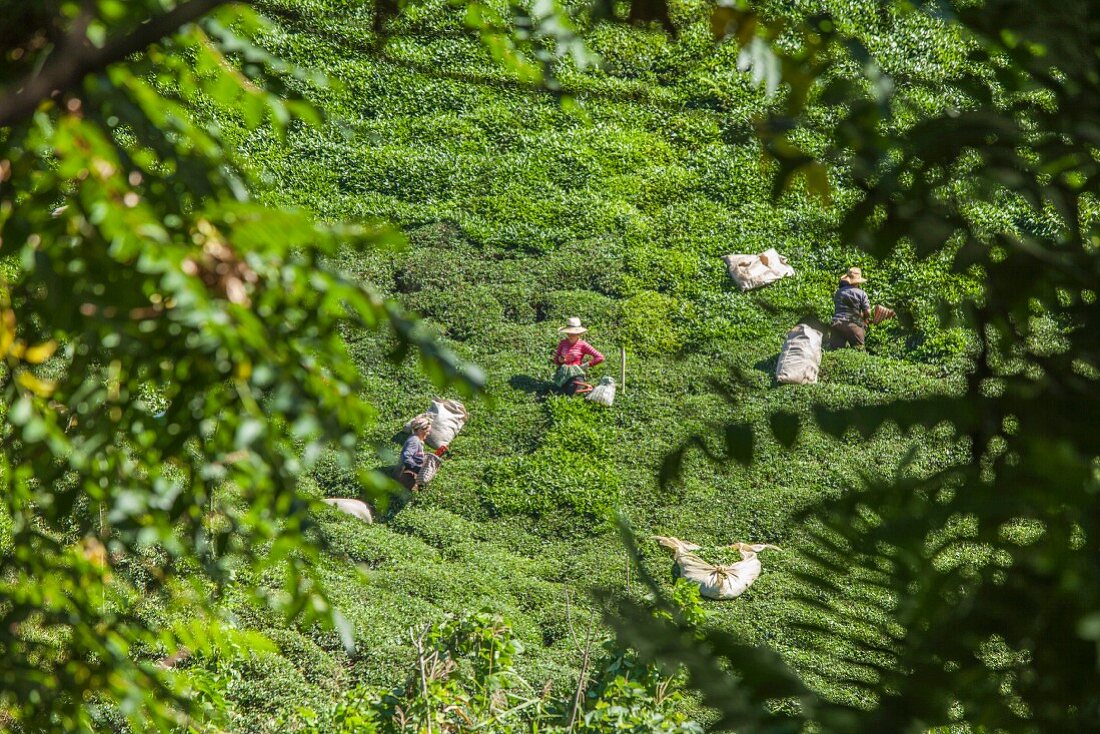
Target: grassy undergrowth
520, 213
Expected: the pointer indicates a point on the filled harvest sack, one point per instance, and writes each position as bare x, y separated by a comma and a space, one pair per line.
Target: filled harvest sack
604, 392
754, 271
355, 508
800, 358
716, 581
448, 418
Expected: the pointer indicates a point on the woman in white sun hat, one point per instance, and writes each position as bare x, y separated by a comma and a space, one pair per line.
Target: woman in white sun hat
570, 358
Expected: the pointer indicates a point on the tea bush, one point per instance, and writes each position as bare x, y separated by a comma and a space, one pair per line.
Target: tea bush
571, 470
652, 324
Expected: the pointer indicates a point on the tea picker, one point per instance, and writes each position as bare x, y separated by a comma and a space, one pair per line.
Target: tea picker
413, 455
852, 312
436, 427
574, 357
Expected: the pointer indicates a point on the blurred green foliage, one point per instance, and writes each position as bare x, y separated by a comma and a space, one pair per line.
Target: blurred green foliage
167, 343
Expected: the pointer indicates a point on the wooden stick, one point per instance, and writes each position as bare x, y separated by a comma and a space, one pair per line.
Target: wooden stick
582, 678
622, 368
424, 678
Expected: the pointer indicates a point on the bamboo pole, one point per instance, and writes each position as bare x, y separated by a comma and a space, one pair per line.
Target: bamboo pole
622, 368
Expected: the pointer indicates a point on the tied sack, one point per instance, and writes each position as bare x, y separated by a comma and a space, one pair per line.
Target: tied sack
448, 418
800, 358
716, 581
355, 508
604, 392
755, 271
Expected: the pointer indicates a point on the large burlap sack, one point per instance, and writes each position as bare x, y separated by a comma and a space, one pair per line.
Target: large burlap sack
716, 581
448, 418
754, 271
604, 392
355, 508
800, 358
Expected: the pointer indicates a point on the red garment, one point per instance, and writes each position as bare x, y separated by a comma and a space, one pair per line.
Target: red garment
571, 354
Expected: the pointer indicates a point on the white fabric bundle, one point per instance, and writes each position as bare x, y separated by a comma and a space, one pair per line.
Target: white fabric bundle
355, 508
604, 392
448, 418
754, 271
716, 581
800, 358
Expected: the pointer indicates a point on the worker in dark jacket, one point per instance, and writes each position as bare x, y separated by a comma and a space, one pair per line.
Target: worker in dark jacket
851, 311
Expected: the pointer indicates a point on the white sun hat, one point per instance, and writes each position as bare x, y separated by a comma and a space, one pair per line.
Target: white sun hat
572, 326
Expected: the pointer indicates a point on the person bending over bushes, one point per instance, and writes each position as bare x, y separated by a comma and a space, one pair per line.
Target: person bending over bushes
851, 311
570, 358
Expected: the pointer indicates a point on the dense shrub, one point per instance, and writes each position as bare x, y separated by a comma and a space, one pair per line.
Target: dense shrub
464, 312
653, 322
569, 481
334, 477
594, 309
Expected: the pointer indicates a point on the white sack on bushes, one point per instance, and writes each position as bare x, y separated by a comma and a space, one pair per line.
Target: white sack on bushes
800, 358
716, 581
604, 392
448, 418
355, 508
755, 271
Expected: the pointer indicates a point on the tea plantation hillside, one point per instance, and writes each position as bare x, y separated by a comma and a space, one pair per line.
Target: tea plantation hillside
520, 211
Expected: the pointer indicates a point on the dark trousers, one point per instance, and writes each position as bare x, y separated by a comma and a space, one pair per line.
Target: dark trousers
847, 334
408, 478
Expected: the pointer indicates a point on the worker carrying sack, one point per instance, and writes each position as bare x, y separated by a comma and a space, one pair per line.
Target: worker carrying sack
716, 581
755, 271
604, 392
800, 358
355, 508
448, 417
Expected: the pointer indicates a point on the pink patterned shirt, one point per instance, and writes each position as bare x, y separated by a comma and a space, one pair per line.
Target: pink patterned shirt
567, 353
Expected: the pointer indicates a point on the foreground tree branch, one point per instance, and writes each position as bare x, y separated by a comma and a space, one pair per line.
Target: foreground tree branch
67, 69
